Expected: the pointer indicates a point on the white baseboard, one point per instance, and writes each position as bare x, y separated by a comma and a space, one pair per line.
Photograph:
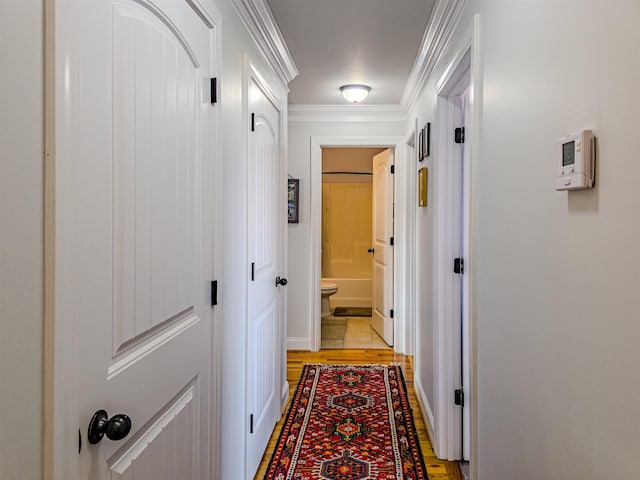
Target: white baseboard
298, 343
425, 409
284, 396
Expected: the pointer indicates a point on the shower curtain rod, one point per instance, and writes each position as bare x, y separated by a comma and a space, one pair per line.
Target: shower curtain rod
347, 173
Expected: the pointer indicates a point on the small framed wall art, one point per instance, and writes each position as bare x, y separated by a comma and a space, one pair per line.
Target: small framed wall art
426, 141
422, 186
293, 199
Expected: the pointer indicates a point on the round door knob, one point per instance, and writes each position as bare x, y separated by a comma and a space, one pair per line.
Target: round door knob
281, 281
371, 250
115, 428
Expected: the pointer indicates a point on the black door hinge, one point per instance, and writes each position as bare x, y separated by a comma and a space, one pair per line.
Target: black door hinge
458, 266
214, 90
390, 240
459, 397
253, 271
214, 292
251, 423
253, 122
393, 169
459, 135
391, 313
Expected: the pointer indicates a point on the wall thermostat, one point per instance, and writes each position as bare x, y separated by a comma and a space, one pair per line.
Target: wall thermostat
576, 161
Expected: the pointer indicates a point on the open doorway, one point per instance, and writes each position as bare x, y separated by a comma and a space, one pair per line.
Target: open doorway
318, 144
355, 195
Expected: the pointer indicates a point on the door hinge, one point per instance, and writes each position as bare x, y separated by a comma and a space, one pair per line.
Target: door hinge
253, 271
253, 122
459, 135
458, 266
214, 90
459, 397
251, 423
214, 292
391, 313
390, 240
393, 169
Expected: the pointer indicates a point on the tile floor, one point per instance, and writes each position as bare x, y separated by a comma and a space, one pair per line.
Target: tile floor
350, 332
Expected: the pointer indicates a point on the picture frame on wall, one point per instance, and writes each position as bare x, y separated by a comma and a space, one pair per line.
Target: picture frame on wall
423, 179
420, 148
293, 200
426, 141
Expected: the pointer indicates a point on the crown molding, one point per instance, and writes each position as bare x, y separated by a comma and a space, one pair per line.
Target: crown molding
442, 24
338, 114
257, 17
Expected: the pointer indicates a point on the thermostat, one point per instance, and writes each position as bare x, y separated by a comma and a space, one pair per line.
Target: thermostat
576, 161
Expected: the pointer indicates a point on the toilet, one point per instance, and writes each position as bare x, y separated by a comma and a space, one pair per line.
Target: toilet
327, 289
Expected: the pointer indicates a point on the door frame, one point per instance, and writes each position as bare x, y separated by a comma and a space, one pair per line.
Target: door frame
315, 265
60, 386
467, 61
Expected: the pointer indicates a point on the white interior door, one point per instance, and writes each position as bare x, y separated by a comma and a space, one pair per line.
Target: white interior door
383, 249
134, 235
265, 217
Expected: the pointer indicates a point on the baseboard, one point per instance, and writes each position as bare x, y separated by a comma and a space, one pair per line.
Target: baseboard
425, 409
284, 396
298, 343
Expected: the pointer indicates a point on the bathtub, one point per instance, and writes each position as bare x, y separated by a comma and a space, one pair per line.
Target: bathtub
352, 292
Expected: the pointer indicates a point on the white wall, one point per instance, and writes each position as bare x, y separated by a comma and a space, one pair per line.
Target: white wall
557, 272
21, 241
300, 255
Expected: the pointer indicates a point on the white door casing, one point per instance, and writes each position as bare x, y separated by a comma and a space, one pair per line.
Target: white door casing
315, 263
383, 201
457, 103
264, 305
131, 237
465, 186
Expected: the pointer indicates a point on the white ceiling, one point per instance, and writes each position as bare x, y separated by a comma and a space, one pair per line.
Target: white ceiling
335, 42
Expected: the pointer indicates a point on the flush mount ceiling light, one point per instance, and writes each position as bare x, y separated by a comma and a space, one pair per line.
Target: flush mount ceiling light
355, 93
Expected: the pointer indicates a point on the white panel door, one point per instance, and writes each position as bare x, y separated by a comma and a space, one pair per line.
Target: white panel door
134, 233
383, 250
265, 215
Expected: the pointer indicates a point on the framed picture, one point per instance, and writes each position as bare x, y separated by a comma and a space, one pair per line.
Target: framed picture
423, 175
293, 199
426, 141
420, 148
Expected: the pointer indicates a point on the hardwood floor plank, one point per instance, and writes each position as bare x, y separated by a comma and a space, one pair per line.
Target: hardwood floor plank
436, 468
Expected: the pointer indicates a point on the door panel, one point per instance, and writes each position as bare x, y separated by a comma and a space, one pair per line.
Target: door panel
154, 178
263, 309
383, 250
164, 446
134, 228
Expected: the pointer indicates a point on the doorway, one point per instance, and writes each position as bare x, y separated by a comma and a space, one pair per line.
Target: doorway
348, 270
315, 269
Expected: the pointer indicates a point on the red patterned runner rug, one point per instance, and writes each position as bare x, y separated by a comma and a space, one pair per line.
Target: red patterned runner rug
348, 422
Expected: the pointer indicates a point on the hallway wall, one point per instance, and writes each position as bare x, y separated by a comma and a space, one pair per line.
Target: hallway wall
21, 242
557, 281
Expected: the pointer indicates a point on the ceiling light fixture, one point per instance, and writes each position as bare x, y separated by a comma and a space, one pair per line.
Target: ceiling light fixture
355, 93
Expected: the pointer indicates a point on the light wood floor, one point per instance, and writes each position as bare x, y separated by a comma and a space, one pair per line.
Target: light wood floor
437, 469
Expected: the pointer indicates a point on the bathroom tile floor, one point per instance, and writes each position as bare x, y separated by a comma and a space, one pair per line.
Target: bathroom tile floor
349, 332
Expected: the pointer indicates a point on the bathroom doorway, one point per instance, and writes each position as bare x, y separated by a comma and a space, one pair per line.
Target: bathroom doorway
350, 302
